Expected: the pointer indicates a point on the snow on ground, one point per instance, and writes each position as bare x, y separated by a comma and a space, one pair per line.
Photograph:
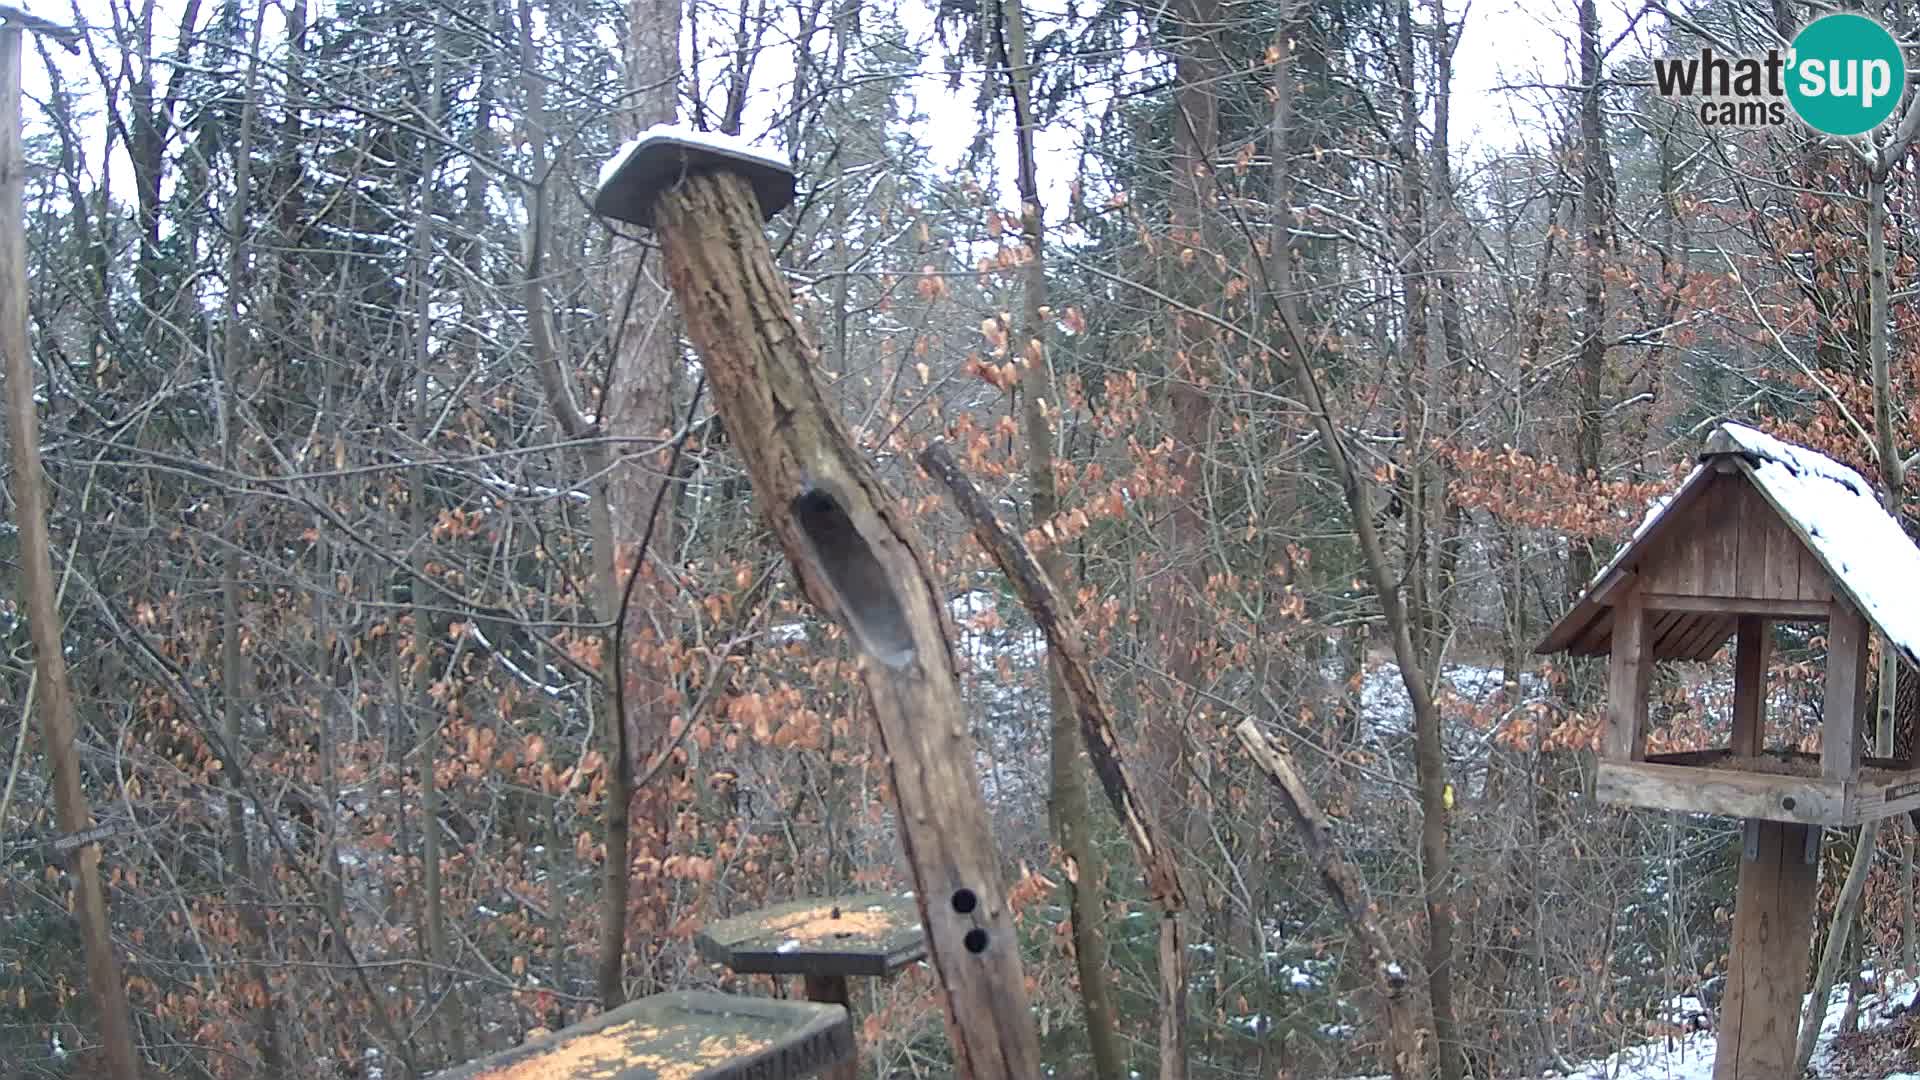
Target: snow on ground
1389, 714
1386, 714
1690, 1057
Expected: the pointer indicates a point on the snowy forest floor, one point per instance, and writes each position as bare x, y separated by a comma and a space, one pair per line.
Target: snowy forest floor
1886, 1046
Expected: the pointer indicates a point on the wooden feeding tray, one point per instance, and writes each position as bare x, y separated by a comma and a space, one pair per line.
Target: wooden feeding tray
871, 934
1772, 786
687, 1035
823, 941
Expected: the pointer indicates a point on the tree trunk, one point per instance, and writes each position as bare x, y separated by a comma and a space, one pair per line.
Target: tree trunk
1072, 816
1450, 260
1892, 480
235, 674
638, 403
1411, 480
439, 978
855, 552
1429, 751
1595, 209
1083, 699
36, 572
1907, 927
1430, 762
1845, 909
1182, 629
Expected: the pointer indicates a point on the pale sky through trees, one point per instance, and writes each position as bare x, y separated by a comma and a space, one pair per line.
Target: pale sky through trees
1511, 74
1511, 78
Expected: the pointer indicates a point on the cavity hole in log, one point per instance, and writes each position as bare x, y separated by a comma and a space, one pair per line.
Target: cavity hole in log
1787, 802
867, 600
964, 901
976, 940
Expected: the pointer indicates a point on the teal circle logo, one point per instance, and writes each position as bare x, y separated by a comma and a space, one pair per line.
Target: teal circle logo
1848, 74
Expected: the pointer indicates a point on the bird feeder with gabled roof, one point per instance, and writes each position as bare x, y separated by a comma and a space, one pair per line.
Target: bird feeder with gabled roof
1761, 532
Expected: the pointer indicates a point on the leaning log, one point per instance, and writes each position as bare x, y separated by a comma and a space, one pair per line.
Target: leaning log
1067, 646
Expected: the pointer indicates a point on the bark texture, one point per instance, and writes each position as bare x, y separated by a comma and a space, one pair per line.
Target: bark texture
639, 403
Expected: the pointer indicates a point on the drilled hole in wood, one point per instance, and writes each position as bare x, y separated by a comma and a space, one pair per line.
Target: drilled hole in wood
1787, 802
964, 901
976, 940
853, 572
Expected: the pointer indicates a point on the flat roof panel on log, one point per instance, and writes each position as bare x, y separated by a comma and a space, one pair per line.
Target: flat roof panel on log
665, 154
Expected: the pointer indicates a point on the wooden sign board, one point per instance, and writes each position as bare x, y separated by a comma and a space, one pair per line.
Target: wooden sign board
869, 934
688, 1035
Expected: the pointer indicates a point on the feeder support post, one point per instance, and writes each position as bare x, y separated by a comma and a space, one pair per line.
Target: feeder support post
854, 551
1767, 968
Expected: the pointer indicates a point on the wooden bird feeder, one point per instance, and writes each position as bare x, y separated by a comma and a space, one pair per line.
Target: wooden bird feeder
1761, 532
826, 942
688, 1035
855, 551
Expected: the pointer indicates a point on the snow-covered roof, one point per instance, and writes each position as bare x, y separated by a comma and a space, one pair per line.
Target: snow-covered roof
1832, 509
1840, 517
735, 145
642, 168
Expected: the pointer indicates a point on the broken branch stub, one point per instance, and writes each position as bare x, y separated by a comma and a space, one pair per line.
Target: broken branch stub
854, 553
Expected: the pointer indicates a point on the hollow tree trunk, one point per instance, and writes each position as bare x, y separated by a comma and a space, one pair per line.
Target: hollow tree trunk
855, 552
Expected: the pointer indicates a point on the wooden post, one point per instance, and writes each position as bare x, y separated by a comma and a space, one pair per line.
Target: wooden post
855, 552
1767, 973
833, 990
36, 568
1629, 670
1846, 695
1750, 687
